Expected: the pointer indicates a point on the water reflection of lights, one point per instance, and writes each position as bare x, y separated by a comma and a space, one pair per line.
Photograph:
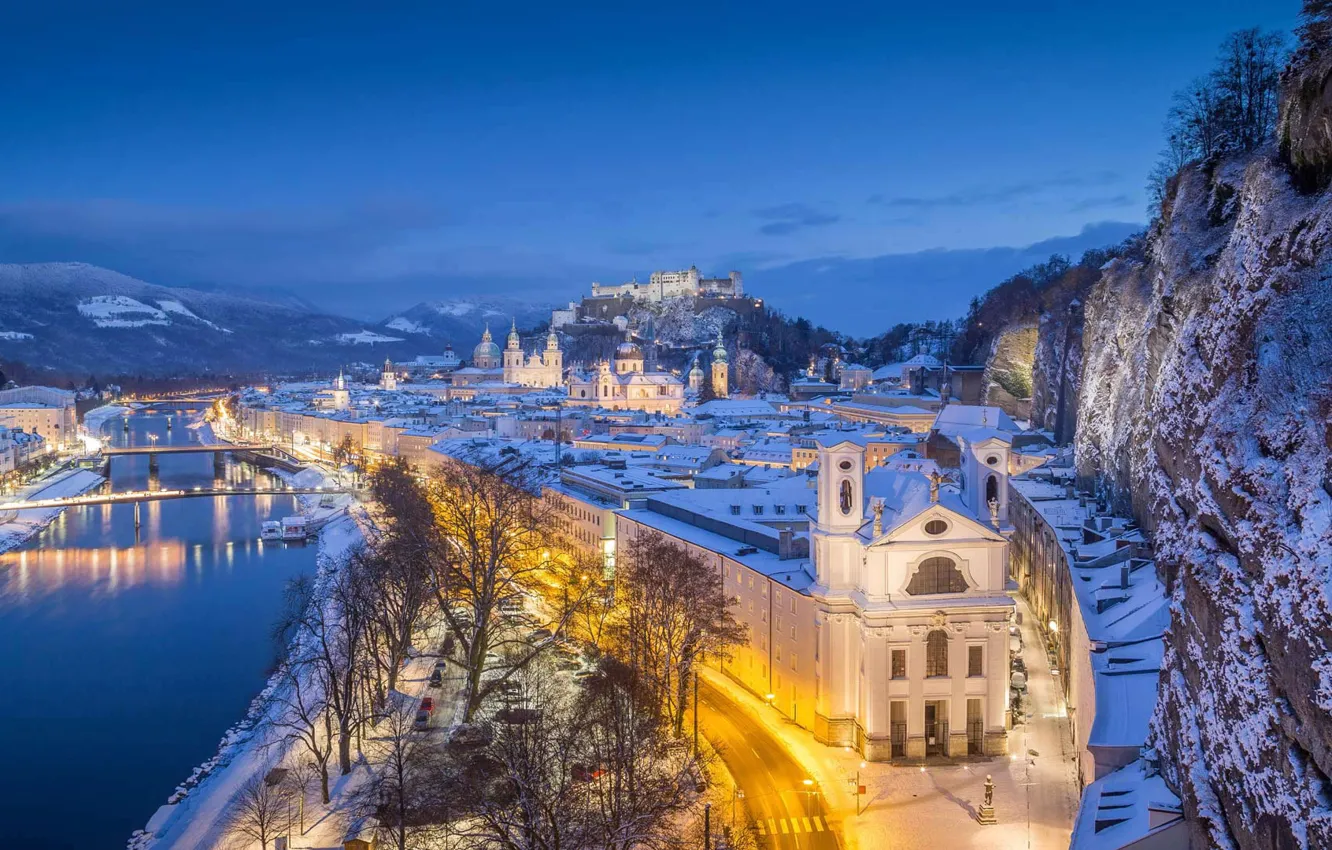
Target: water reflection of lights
31, 573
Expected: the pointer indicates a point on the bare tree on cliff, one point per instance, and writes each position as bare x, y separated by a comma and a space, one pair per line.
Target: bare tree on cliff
675, 614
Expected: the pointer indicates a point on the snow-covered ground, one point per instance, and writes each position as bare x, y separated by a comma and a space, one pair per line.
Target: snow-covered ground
14, 335
181, 310
366, 338
18, 526
121, 311
406, 325
94, 419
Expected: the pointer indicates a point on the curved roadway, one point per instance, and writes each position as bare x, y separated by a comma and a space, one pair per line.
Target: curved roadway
784, 814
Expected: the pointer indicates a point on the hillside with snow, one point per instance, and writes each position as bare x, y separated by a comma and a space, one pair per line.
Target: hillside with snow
82, 319
461, 321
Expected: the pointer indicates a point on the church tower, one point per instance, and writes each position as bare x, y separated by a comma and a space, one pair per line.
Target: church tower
984, 465
553, 358
695, 376
513, 355
388, 379
719, 369
341, 395
841, 507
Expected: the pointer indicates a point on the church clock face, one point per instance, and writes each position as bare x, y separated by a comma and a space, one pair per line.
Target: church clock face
845, 497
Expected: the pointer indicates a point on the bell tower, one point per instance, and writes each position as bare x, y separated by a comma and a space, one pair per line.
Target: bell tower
719, 369
984, 464
841, 505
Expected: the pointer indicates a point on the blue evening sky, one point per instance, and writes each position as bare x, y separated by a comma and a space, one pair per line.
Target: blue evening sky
372, 155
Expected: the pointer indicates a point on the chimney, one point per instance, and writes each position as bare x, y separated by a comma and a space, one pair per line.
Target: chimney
784, 539
1124, 576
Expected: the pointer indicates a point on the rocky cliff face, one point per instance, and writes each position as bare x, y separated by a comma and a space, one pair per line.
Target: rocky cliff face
1206, 409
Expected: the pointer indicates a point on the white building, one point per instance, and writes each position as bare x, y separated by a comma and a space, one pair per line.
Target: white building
622, 384
879, 619
41, 410
674, 284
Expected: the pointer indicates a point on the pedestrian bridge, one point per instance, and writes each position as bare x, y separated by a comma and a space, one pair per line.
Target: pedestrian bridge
189, 448
134, 496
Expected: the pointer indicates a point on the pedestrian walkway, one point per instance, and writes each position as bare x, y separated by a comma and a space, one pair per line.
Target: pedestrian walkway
789, 826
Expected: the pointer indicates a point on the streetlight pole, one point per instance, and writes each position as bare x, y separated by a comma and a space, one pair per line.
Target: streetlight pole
695, 713
707, 826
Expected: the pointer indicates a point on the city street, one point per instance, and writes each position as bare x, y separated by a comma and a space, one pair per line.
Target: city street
784, 813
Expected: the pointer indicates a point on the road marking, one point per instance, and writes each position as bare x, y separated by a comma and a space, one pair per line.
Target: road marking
808, 828
782, 823
818, 823
772, 826
762, 828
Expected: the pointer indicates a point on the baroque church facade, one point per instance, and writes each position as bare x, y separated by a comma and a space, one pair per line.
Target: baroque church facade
491, 365
627, 383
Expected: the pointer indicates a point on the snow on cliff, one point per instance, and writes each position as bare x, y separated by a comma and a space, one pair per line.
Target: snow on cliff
1205, 408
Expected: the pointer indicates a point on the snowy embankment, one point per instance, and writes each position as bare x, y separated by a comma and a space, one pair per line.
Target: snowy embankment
195, 814
94, 419
17, 526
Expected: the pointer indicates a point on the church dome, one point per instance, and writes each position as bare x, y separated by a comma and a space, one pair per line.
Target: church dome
628, 350
486, 348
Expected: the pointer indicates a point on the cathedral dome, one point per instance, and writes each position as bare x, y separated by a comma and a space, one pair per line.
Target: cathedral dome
486, 348
628, 350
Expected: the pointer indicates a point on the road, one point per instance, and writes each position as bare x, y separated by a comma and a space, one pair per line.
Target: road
785, 814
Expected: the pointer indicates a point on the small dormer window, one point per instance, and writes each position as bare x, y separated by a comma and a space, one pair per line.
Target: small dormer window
780, 509
735, 510
758, 510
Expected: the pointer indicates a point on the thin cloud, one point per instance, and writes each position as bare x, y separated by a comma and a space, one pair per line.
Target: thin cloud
992, 195
785, 219
1100, 203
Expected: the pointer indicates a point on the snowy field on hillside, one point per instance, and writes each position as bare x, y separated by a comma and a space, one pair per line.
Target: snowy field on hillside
366, 338
121, 311
407, 326
14, 335
181, 310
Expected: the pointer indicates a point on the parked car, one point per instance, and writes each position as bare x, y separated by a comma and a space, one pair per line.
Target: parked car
473, 735
539, 635
517, 716
448, 645
436, 679
428, 704
509, 687
584, 773
422, 720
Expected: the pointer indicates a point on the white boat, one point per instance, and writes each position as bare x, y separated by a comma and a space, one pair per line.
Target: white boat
271, 530
294, 528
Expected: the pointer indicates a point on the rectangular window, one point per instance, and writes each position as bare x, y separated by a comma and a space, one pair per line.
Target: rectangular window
793, 633
975, 661
793, 662
899, 664
758, 510
735, 510
780, 509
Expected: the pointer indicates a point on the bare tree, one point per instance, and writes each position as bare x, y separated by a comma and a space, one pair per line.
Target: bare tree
305, 718
396, 571
405, 795
494, 534
336, 651
260, 810
676, 613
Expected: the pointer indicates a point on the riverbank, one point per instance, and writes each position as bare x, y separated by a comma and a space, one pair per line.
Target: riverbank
17, 527
195, 814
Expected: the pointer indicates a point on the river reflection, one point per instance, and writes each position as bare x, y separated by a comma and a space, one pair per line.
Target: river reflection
127, 652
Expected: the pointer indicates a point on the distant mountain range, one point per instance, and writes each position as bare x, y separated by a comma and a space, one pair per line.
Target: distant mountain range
76, 318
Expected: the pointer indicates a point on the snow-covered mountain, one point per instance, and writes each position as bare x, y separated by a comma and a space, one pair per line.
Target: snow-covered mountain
460, 321
78, 318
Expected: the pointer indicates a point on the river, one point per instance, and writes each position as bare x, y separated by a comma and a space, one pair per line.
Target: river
124, 656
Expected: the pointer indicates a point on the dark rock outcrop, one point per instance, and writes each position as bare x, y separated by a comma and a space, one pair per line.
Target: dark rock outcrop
1206, 409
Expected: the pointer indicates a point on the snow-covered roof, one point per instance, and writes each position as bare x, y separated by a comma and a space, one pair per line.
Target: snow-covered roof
955, 419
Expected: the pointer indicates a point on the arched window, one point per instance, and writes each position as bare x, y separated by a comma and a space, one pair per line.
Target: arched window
936, 653
937, 575
846, 497
991, 489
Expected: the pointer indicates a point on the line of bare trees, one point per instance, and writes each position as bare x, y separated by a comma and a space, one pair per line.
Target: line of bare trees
1233, 109
599, 765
